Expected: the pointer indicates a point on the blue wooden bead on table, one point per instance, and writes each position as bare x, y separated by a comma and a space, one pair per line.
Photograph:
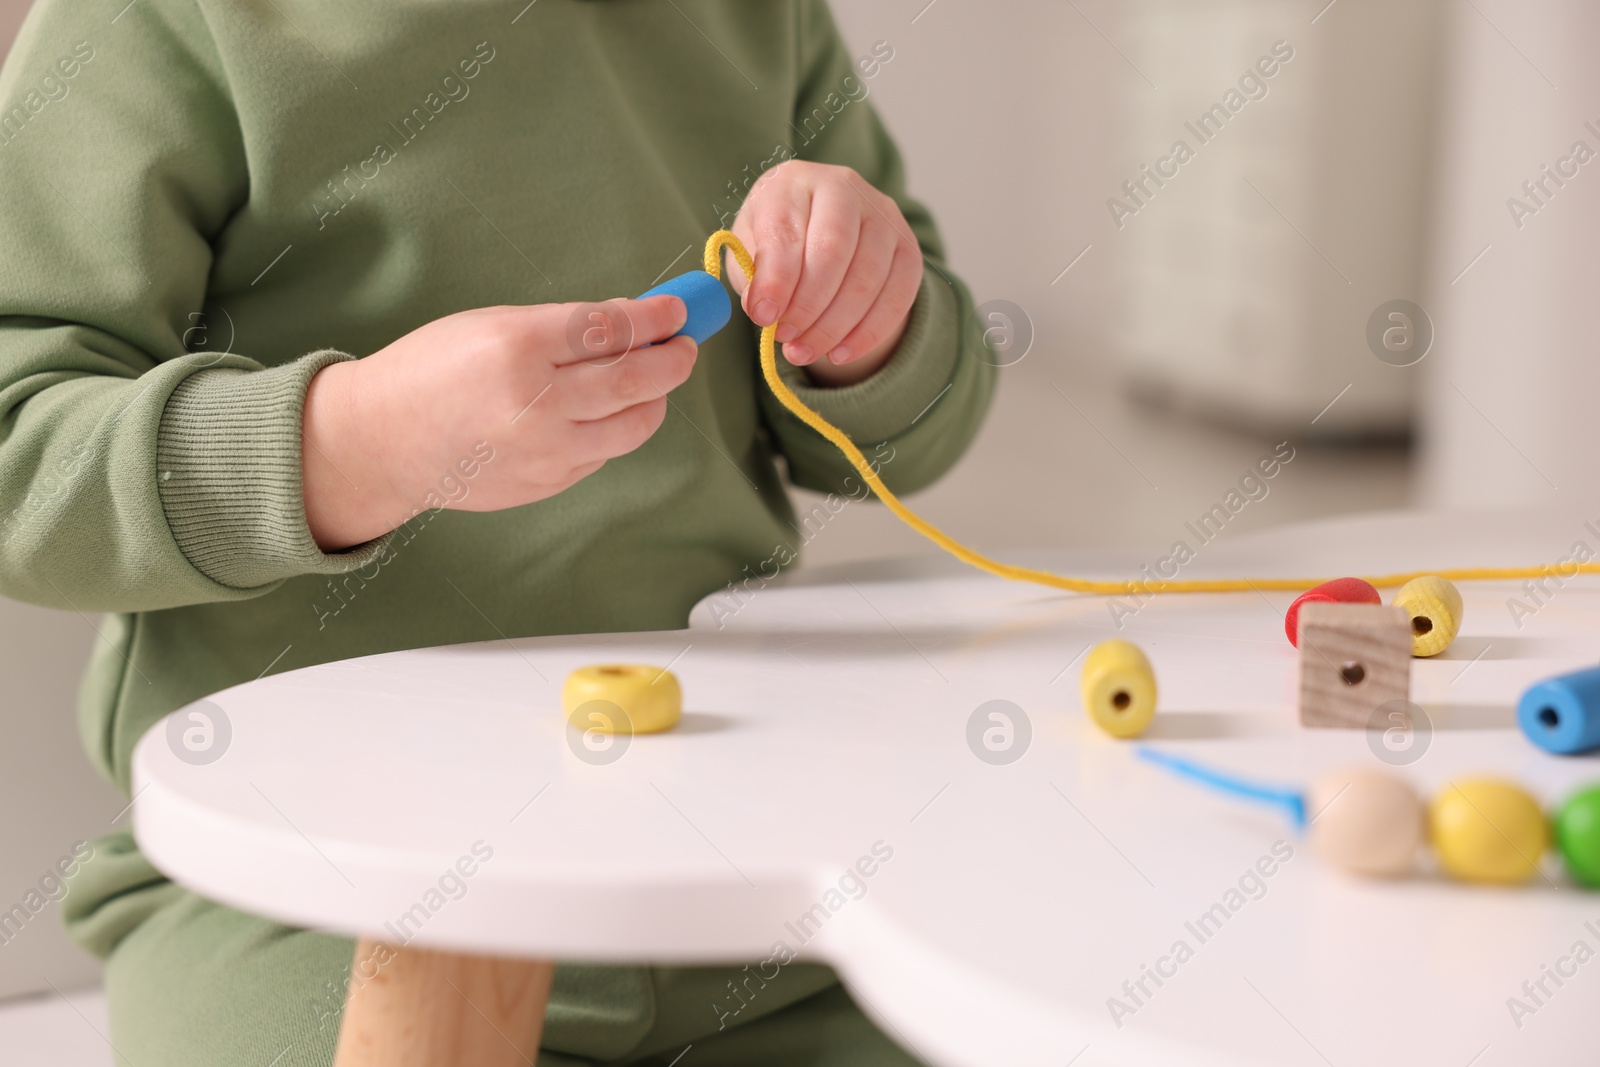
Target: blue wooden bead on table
1562, 714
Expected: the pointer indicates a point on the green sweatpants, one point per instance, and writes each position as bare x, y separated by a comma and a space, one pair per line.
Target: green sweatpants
197, 984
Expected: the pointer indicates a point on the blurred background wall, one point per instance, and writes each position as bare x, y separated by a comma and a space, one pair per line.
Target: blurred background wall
1155, 351
1180, 338
1509, 410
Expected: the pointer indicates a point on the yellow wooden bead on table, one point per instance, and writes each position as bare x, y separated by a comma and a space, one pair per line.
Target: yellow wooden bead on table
1487, 830
1119, 688
644, 699
1366, 822
1433, 608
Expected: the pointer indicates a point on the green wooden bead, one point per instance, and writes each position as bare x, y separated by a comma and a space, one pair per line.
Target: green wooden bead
1578, 835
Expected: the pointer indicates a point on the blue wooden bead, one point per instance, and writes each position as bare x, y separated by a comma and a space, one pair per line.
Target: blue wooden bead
706, 299
1562, 715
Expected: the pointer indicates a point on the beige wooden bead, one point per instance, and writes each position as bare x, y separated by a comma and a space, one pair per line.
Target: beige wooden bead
1366, 822
1433, 608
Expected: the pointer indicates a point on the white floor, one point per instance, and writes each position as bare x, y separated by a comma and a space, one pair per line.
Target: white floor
57, 1030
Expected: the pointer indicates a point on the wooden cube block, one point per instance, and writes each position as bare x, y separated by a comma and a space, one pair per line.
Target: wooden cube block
1354, 658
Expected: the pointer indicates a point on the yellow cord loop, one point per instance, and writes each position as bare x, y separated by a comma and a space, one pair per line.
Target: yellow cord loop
787, 397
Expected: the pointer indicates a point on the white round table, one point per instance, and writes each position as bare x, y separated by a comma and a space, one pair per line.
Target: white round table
987, 905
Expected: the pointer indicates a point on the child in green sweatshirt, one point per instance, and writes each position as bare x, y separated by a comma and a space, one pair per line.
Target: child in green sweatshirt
285, 377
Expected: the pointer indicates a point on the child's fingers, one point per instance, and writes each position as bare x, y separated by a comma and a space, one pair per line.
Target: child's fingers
862, 285
830, 245
890, 309
590, 390
616, 434
774, 229
605, 331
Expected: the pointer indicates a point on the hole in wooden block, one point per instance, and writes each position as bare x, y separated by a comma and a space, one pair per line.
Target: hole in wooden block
1549, 718
1120, 700
1354, 659
1421, 624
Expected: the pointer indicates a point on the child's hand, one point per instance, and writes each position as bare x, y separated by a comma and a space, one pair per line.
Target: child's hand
554, 389
837, 268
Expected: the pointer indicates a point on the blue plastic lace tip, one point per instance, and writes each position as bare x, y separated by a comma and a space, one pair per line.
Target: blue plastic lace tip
706, 298
1291, 801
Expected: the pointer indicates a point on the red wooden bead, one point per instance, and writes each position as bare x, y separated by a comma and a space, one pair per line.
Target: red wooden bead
1340, 590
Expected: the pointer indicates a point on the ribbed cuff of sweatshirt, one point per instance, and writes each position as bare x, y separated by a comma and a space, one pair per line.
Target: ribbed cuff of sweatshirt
229, 474
886, 405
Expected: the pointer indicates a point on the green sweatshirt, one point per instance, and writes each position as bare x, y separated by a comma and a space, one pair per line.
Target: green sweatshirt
204, 202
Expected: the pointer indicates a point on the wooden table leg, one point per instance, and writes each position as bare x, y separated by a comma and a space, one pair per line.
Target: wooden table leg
411, 1007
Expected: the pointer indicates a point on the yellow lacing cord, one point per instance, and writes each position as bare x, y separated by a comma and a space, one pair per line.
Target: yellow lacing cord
786, 396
